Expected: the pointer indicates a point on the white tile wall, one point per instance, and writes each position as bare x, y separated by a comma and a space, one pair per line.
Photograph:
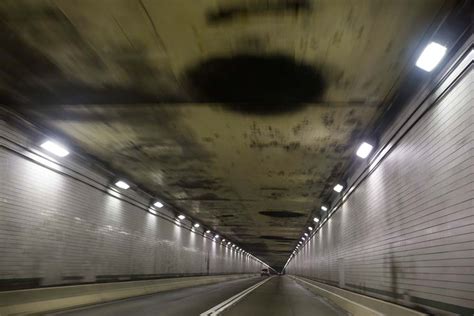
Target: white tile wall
408, 229
59, 226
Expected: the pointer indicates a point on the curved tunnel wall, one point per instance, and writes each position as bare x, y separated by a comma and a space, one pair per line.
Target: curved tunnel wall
61, 224
406, 233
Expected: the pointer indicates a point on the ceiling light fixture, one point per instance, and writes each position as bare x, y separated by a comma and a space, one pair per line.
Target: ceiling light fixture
431, 56
316, 219
306, 234
181, 216
338, 188
310, 228
324, 208
158, 204
364, 150
122, 184
196, 225
55, 148
208, 231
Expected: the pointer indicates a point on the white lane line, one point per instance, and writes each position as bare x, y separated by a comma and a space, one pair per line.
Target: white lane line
216, 310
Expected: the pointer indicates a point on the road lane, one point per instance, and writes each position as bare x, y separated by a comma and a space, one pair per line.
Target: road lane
188, 301
282, 296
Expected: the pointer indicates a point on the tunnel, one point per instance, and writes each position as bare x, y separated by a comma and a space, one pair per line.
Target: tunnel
264, 157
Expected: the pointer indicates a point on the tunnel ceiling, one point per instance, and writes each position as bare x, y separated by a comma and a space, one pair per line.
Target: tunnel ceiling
242, 113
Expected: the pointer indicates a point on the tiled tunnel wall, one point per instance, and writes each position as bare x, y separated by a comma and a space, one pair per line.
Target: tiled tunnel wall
61, 224
406, 233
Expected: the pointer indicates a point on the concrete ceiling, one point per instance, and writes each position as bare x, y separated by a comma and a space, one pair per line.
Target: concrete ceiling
242, 113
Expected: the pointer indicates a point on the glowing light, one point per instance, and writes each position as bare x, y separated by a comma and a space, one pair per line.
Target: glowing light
364, 150
324, 208
338, 188
310, 228
122, 184
158, 204
55, 148
316, 219
196, 225
181, 216
431, 56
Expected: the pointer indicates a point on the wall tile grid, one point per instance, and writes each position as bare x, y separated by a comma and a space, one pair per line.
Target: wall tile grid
407, 231
60, 226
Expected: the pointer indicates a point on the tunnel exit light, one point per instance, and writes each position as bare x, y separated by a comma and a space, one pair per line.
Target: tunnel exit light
364, 150
338, 188
55, 148
431, 56
122, 184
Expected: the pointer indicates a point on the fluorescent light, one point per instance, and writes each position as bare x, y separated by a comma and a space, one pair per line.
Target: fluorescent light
310, 228
181, 216
324, 208
223, 239
316, 219
216, 236
431, 56
306, 234
303, 238
364, 150
196, 225
208, 231
158, 204
338, 188
122, 184
55, 148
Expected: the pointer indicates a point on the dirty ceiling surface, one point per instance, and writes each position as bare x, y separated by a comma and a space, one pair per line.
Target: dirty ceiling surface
242, 113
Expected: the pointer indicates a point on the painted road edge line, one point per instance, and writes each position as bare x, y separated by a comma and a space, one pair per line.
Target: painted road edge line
219, 308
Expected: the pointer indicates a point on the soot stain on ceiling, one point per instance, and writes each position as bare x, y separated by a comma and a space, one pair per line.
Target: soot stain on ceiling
256, 83
281, 214
230, 13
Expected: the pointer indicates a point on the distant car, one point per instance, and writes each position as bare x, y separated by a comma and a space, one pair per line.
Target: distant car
264, 272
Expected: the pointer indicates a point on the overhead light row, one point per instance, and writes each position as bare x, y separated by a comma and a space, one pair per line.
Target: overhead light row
363, 151
60, 150
430, 57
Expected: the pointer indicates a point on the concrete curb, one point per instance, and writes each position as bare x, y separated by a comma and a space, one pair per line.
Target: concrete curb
357, 304
33, 301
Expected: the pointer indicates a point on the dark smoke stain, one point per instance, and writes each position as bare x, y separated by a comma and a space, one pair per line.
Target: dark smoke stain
292, 146
34, 79
209, 184
328, 119
205, 197
222, 15
274, 189
256, 84
281, 214
279, 238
